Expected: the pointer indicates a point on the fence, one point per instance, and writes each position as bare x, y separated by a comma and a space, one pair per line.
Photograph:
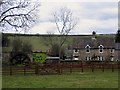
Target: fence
58, 68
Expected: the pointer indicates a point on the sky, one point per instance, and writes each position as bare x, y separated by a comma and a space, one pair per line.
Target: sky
100, 16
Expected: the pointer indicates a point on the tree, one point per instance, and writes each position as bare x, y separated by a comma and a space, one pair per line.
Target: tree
27, 47
54, 51
5, 40
16, 45
50, 39
65, 22
117, 37
21, 46
20, 51
17, 14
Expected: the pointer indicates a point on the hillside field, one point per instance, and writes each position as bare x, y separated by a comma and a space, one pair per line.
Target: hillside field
39, 41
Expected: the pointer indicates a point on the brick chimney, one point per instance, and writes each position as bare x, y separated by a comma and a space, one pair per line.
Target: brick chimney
94, 35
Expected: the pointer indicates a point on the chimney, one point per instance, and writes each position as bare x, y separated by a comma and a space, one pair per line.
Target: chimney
94, 35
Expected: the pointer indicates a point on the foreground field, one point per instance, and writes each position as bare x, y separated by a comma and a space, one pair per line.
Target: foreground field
87, 79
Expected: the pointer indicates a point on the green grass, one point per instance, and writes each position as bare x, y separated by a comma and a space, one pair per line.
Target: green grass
97, 79
38, 42
1, 82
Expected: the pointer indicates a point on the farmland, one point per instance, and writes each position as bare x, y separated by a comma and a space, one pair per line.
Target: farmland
38, 41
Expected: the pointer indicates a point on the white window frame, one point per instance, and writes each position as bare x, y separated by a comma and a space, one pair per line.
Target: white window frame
112, 59
88, 58
100, 48
98, 58
112, 50
87, 48
101, 58
75, 50
76, 57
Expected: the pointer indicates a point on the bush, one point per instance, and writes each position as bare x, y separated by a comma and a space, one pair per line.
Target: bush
54, 51
20, 51
5, 40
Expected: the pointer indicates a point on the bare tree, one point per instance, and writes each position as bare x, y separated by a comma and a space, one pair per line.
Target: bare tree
17, 14
50, 39
65, 22
19, 45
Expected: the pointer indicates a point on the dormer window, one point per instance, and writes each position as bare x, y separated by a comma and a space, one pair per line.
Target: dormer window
87, 49
111, 50
101, 49
75, 50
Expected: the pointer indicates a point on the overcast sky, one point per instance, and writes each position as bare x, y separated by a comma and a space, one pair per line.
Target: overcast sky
101, 17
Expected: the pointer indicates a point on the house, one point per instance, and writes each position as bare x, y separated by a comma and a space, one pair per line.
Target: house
95, 48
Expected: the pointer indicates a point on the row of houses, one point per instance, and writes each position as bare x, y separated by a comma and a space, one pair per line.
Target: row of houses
95, 48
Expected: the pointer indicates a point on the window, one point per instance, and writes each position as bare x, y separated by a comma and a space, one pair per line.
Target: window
100, 49
76, 51
112, 59
111, 50
87, 49
88, 58
76, 57
98, 58
101, 58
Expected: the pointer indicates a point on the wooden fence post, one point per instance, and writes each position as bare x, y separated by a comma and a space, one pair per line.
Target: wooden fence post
10, 69
81, 66
24, 70
58, 68
112, 67
36, 69
70, 67
103, 67
92, 67
61, 67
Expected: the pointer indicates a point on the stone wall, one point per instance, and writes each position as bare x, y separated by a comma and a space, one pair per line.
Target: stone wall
107, 55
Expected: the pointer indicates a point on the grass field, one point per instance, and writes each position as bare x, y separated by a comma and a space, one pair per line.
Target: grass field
88, 79
37, 42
